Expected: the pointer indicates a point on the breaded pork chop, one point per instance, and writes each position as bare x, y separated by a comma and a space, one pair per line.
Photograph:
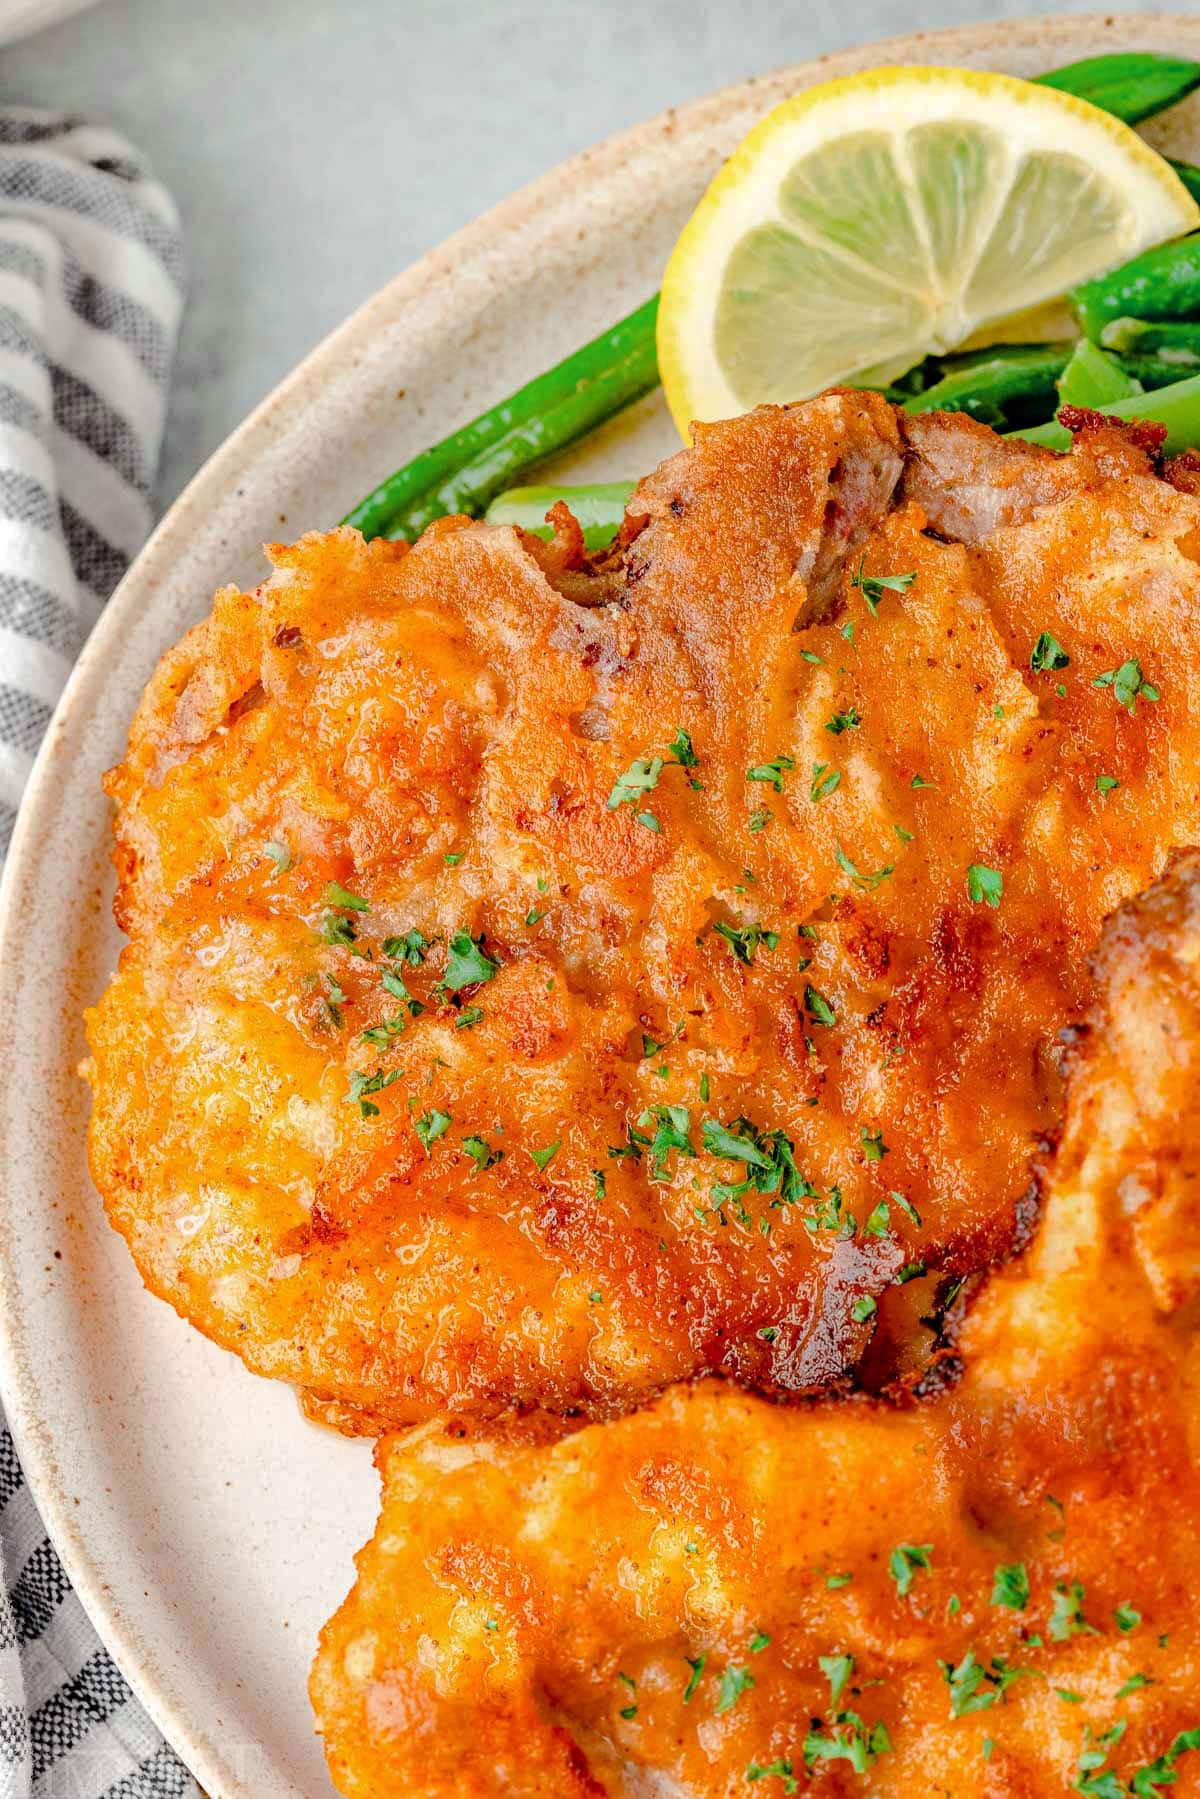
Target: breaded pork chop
991, 1593
545, 983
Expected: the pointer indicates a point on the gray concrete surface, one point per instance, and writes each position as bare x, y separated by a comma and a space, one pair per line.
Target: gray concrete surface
316, 149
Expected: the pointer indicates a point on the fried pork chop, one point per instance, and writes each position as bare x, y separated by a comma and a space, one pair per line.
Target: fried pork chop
991, 1592
546, 982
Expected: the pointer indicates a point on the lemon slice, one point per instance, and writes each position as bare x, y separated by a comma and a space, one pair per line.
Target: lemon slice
877, 219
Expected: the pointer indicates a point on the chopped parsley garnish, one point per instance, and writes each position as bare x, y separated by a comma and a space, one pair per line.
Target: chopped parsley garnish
779, 1769
338, 930
758, 1642
361, 1084
818, 1007
672, 1131
640, 777
1011, 1586
873, 587
394, 984
1127, 1618
697, 1666
335, 1001
430, 1126
734, 1682
771, 772
1048, 653
468, 1017
867, 882
906, 1561
544, 1157
760, 819
1106, 783
466, 964
1068, 1697
1133, 1685
906, 1206
337, 895
768, 1333
380, 1035
837, 1670
533, 916
873, 1146
878, 1221
984, 885
280, 855
823, 784
863, 1308
769, 1160
1161, 1773
1067, 1619
411, 948
849, 720
834, 1581
452, 858
920, 781
599, 1182
849, 1740
744, 940
974, 1688
628, 1711
649, 820
682, 751
1128, 684
482, 1153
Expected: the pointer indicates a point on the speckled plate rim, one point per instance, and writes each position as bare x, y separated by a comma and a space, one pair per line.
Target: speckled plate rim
322, 402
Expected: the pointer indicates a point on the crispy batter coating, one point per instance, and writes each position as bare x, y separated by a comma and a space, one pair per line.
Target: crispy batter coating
991, 1592
547, 983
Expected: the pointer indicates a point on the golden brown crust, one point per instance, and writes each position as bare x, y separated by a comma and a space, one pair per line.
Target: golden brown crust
1003, 1578
440, 731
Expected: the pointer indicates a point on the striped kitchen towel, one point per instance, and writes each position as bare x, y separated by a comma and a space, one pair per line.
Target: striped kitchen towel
90, 298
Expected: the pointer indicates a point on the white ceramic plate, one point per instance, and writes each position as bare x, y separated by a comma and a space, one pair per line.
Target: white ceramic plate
208, 1529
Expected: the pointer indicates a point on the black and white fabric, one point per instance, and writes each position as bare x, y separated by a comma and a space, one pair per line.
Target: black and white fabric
90, 298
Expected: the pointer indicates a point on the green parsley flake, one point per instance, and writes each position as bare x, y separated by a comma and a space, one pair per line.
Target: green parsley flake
849, 720
834, 1581
337, 895
771, 772
682, 751
906, 1561
1067, 1619
1127, 1618
649, 820
878, 1221
697, 1666
873, 1146
759, 819
361, 1084
411, 948
280, 855
466, 964
1048, 653
868, 882
640, 777
432, 1125
863, 1308
744, 940
780, 1769
1128, 684
906, 1206
974, 1688
1133, 1685
758, 1642
468, 1017
544, 1157
452, 858
734, 1682
818, 1007
984, 885
1010, 1587
482, 1153
837, 1670
849, 1740
873, 587
823, 784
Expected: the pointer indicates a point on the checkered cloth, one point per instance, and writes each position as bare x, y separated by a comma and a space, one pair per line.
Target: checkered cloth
90, 298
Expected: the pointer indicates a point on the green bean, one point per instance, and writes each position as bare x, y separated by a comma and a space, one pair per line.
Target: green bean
1177, 407
1163, 283
1169, 339
989, 383
599, 508
1093, 379
1130, 85
467, 469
